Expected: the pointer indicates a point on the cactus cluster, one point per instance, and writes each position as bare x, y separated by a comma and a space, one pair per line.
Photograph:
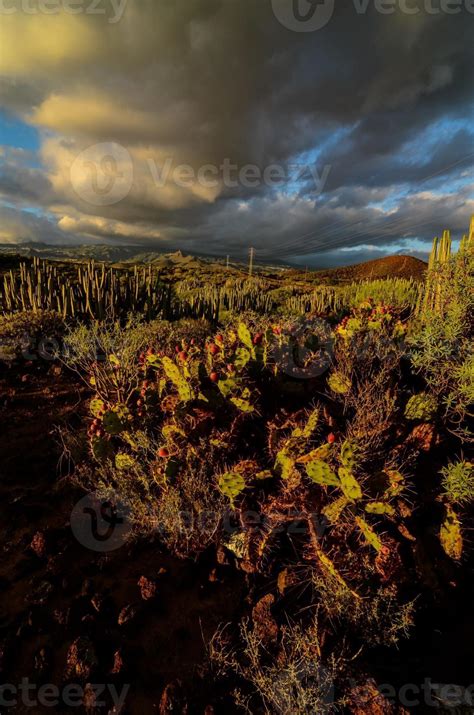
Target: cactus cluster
98, 292
88, 291
440, 257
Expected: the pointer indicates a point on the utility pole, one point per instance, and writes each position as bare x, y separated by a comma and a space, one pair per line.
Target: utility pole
227, 262
251, 257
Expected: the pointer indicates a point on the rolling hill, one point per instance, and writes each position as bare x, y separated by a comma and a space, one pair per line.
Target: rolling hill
389, 267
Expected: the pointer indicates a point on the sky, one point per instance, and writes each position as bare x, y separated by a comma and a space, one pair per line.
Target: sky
319, 132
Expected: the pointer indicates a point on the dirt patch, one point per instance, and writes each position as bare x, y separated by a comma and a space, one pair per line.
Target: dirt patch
54, 590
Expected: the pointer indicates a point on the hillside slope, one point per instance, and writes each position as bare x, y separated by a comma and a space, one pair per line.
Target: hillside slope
389, 267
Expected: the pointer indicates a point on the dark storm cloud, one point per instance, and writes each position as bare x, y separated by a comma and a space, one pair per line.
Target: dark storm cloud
385, 100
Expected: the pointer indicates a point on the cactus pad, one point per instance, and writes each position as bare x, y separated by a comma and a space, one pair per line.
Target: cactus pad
112, 422
339, 384
450, 534
321, 473
379, 507
174, 374
97, 406
348, 455
421, 407
349, 484
124, 461
369, 534
231, 485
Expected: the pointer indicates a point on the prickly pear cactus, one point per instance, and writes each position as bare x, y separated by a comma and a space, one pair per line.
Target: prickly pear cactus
421, 407
323, 452
284, 465
174, 374
101, 449
97, 406
231, 485
112, 422
369, 534
321, 473
396, 483
450, 534
333, 511
311, 424
124, 461
339, 384
348, 455
245, 336
242, 405
227, 387
242, 358
379, 508
349, 484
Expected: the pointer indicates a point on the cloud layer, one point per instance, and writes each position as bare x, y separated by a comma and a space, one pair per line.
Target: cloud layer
381, 105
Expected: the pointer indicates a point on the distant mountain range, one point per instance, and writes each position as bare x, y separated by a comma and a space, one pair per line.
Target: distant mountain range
98, 252
391, 266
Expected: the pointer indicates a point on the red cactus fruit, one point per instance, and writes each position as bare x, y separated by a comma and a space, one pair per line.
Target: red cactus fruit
163, 452
331, 438
214, 377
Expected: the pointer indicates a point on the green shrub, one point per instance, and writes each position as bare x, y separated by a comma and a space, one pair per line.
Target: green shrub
458, 482
442, 343
295, 680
